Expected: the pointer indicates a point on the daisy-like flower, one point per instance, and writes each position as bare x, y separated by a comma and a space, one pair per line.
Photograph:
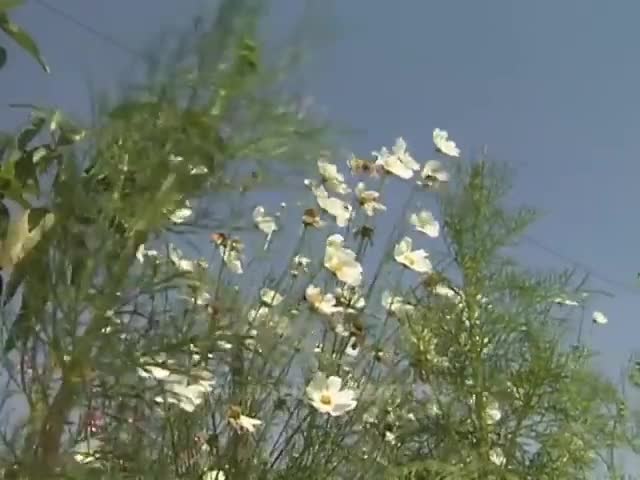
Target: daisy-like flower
230, 251
445, 291
341, 261
322, 303
400, 150
562, 300
497, 456
359, 166
399, 162
181, 215
187, 396
142, 253
340, 209
396, 304
353, 347
433, 174
199, 170
259, 314
240, 422
300, 265
332, 178
153, 370
214, 475
368, 199
182, 264
199, 298
311, 218
599, 318
269, 297
265, 223
87, 451
350, 298
443, 144
493, 413
326, 395
416, 260
232, 258
426, 223
20, 240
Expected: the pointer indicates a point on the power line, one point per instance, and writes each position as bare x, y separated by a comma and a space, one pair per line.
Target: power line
105, 37
533, 241
583, 266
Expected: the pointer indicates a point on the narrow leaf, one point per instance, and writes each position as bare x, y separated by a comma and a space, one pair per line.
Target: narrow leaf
23, 39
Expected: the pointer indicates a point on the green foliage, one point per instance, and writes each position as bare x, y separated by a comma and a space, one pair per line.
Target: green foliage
112, 187
18, 35
507, 400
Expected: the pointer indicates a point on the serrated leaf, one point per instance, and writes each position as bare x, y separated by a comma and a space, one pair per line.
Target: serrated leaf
23, 39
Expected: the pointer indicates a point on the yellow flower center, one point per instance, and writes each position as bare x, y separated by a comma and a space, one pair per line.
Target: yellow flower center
326, 399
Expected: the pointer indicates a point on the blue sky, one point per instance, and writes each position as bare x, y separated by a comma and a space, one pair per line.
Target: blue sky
550, 87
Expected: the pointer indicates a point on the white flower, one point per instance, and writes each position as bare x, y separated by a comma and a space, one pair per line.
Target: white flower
326, 396
396, 305
232, 258
433, 174
324, 304
199, 298
565, 301
214, 475
181, 214
142, 253
446, 291
270, 297
187, 397
340, 209
443, 144
87, 451
368, 199
224, 345
353, 347
497, 457
599, 318
425, 222
300, 265
350, 298
416, 260
332, 178
399, 162
265, 223
199, 170
493, 413
19, 240
175, 255
400, 151
241, 422
342, 261
153, 371
311, 217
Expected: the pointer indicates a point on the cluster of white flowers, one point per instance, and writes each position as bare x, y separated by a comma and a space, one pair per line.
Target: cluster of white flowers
342, 265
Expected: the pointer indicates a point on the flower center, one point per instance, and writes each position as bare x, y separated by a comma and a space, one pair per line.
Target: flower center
326, 399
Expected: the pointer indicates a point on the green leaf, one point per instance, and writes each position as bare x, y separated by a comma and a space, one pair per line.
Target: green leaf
29, 133
23, 39
6, 5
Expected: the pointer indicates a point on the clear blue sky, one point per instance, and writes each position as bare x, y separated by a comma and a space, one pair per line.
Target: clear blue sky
551, 87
